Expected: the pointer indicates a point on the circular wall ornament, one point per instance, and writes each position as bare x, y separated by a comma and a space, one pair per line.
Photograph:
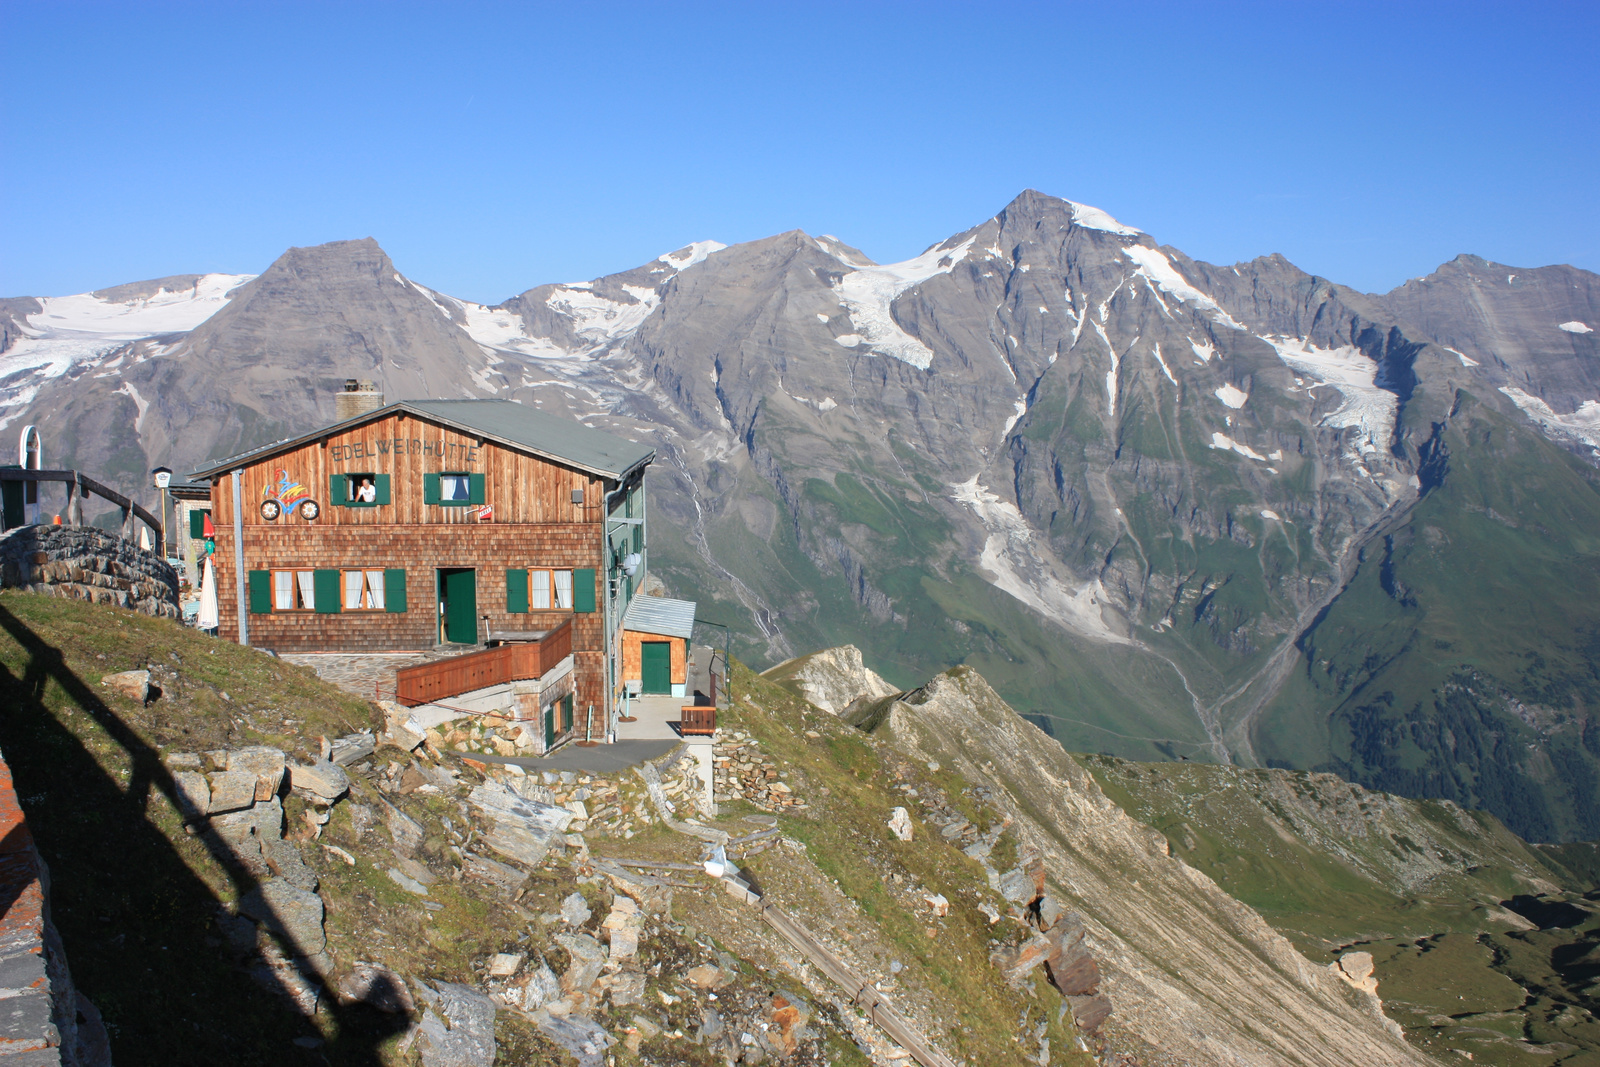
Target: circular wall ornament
309, 510
270, 510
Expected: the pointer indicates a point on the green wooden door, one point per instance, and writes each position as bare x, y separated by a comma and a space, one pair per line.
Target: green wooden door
550, 726
655, 665
459, 589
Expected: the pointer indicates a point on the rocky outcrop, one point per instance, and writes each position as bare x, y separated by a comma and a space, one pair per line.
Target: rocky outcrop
233, 801
86, 563
741, 772
833, 679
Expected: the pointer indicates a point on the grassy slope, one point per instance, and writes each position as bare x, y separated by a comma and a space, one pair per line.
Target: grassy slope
847, 778
1490, 590
1453, 967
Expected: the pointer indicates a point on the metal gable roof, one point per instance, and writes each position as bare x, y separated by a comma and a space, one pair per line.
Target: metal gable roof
660, 615
512, 424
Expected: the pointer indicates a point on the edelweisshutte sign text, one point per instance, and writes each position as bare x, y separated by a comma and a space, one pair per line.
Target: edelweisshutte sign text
454, 451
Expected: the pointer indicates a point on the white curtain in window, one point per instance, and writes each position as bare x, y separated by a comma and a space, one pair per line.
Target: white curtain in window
283, 590
308, 591
352, 590
374, 591
563, 590
456, 487
541, 590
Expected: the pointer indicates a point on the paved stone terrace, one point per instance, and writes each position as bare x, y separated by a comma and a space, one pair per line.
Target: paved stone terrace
369, 675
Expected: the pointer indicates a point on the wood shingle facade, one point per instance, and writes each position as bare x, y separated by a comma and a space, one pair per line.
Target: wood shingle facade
428, 523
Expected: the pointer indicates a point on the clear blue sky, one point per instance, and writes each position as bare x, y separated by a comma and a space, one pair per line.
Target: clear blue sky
492, 147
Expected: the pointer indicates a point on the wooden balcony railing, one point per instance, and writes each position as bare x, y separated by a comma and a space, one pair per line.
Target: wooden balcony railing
441, 679
699, 719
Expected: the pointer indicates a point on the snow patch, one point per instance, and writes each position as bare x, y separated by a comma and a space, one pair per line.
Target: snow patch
1022, 409
1268, 513
1203, 352
1092, 218
1582, 425
1575, 327
1466, 361
868, 294
1366, 406
139, 402
1157, 353
689, 255
849, 340
1157, 268
822, 316
1012, 564
601, 321
1231, 395
1225, 443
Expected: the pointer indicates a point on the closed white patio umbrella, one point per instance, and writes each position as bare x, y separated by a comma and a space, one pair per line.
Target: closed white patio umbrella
207, 618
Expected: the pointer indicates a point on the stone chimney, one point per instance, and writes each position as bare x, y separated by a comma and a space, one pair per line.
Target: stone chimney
358, 398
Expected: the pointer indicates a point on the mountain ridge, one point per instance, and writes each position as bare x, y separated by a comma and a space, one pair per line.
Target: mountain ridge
1120, 482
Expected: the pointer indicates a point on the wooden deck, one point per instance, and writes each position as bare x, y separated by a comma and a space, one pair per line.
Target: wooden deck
441, 679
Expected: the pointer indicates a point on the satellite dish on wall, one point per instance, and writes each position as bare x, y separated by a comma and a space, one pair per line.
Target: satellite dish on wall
630, 563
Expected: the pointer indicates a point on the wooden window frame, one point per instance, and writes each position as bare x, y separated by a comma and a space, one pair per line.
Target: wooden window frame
294, 590
366, 587
551, 588
465, 502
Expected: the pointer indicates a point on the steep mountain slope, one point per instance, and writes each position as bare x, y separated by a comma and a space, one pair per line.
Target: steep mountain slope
1479, 941
1123, 484
1417, 691
1185, 963
1528, 333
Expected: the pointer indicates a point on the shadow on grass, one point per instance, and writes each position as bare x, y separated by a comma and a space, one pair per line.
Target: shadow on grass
139, 926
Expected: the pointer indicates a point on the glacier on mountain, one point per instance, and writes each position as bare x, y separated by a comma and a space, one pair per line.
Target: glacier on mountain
869, 293
1366, 405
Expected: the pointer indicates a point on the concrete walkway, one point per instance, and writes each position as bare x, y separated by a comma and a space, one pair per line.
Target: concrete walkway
658, 717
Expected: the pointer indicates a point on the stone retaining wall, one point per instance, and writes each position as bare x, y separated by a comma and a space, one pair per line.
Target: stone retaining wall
85, 563
43, 1018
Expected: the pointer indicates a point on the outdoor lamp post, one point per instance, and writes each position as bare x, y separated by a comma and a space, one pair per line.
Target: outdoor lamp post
163, 478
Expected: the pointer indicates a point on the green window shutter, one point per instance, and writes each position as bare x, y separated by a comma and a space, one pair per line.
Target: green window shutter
583, 589
197, 524
260, 592
475, 491
394, 590
430, 489
517, 592
337, 491
381, 483
326, 587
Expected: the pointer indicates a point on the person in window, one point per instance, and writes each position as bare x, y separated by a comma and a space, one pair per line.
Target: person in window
367, 493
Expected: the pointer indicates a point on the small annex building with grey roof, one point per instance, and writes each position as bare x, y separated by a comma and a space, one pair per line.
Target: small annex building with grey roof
429, 524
